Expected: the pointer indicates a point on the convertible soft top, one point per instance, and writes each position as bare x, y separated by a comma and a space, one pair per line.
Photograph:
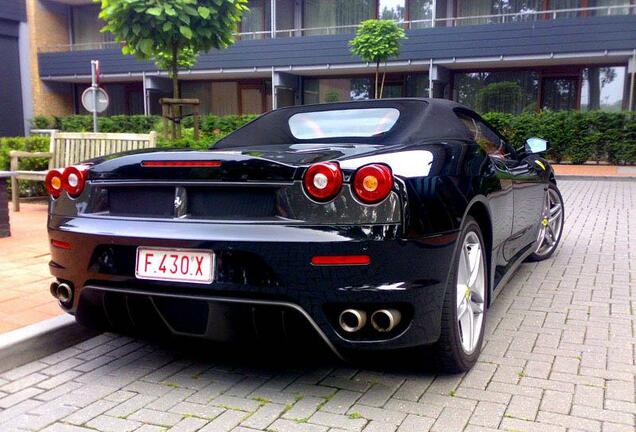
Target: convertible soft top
420, 120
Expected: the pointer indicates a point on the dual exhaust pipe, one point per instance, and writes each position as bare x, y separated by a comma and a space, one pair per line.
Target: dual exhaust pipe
63, 293
382, 320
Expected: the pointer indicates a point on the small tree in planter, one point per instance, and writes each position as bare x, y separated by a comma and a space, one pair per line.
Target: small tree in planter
377, 41
172, 32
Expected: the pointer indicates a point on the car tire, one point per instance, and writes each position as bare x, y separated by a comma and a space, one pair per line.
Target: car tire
550, 229
454, 352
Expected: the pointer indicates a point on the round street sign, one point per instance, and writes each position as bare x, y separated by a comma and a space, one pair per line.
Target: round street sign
89, 99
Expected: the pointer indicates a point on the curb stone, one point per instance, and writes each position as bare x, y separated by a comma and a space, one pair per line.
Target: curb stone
38, 340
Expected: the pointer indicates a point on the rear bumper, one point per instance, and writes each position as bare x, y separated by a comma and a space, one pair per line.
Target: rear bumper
264, 265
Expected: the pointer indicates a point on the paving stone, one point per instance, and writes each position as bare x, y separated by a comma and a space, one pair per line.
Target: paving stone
414, 423
225, 422
105, 423
188, 424
130, 406
380, 414
337, 421
198, 410
557, 402
264, 416
487, 414
90, 412
60, 427
283, 425
151, 428
235, 403
304, 408
154, 417
378, 426
451, 419
523, 407
341, 401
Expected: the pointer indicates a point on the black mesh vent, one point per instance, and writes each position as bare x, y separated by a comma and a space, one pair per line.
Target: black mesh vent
231, 203
141, 201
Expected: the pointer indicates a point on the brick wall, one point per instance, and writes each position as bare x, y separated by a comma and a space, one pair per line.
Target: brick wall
4, 208
48, 26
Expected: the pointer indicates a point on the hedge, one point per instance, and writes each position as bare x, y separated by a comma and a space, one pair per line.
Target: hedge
84, 123
574, 136
30, 144
210, 124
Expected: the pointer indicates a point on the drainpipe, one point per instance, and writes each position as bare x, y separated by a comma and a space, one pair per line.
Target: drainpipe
632, 69
145, 93
430, 79
273, 18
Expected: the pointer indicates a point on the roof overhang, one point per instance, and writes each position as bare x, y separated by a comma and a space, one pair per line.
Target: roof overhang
421, 65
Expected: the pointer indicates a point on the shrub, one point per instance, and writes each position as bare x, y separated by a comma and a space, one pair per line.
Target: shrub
84, 123
573, 136
30, 144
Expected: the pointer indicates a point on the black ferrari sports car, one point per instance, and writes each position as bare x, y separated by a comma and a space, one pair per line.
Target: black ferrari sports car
372, 225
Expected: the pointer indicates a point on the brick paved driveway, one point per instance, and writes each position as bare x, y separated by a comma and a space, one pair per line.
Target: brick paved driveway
559, 356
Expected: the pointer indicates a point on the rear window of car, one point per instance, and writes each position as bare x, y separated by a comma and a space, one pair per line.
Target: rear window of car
366, 122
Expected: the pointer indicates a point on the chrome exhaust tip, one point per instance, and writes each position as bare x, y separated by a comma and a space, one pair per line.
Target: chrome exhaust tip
352, 320
385, 320
64, 294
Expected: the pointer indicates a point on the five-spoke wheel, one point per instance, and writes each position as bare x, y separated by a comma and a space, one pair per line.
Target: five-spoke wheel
464, 309
550, 225
470, 292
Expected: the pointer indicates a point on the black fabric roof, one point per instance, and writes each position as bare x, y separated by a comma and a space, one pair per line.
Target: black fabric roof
420, 120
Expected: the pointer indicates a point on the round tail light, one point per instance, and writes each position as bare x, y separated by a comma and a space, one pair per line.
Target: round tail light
373, 183
73, 180
54, 183
323, 181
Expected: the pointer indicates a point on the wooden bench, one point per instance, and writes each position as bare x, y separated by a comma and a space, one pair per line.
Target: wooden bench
70, 148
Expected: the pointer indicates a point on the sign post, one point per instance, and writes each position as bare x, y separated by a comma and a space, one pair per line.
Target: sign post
94, 84
95, 99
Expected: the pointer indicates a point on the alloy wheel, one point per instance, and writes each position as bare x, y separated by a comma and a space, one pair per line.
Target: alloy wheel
551, 223
471, 285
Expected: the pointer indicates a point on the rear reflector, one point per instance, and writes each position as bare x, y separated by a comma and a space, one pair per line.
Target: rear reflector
181, 164
335, 260
60, 244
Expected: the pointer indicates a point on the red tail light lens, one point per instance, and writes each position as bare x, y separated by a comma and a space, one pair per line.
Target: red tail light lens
373, 183
53, 183
73, 180
323, 181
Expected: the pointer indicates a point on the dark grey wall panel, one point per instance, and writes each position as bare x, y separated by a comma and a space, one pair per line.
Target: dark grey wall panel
543, 37
14, 10
11, 118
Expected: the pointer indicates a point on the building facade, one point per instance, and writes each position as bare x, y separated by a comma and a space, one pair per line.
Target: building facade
493, 55
14, 70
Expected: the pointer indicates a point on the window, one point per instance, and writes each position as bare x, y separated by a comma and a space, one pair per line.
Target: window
485, 137
392, 9
86, 28
559, 93
350, 123
422, 11
603, 88
257, 21
319, 90
575, 4
336, 16
497, 91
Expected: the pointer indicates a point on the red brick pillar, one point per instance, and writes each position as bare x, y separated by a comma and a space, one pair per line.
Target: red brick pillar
4, 208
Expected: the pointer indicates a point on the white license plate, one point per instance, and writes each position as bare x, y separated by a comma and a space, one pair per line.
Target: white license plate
179, 265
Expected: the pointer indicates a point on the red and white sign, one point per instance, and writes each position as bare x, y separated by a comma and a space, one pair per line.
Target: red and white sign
178, 265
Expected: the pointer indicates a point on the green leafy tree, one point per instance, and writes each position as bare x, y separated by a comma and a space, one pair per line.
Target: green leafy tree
172, 32
376, 41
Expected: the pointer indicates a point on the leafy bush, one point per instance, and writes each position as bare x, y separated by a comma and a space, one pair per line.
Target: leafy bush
30, 144
84, 123
574, 136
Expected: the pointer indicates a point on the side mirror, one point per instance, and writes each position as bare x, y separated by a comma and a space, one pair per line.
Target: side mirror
535, 145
